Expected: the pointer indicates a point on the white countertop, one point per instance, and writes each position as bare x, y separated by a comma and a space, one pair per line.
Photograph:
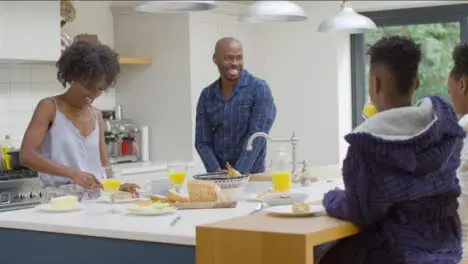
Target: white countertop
95, 220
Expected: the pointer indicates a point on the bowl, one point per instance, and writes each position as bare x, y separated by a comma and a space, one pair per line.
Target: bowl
276, 199
231, 187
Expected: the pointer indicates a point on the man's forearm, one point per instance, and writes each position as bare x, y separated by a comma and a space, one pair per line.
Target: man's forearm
208, 157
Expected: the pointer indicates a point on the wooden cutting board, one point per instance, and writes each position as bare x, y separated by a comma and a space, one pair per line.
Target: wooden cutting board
186, 206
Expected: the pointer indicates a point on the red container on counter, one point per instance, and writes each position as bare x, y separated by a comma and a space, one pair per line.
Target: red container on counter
127, 147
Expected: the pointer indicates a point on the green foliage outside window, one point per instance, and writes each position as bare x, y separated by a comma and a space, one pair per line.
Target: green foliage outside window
437, 42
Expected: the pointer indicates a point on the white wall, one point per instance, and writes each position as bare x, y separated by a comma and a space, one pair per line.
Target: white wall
158, 95
300, 65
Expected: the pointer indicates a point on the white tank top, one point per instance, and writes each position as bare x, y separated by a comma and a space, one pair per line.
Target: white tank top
65, 145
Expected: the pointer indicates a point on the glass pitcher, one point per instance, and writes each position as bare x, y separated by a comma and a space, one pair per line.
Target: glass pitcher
281, 170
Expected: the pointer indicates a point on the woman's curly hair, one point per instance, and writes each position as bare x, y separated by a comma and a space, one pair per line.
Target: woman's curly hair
88, 63
460, 61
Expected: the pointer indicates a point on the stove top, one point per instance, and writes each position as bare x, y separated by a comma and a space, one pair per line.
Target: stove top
17, 175
19, 189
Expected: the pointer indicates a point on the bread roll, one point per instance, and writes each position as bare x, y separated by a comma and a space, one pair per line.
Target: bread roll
300, 208
203, 191
159, 198
173, 196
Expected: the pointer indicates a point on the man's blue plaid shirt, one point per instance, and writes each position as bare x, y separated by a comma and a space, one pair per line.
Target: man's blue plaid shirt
223, 126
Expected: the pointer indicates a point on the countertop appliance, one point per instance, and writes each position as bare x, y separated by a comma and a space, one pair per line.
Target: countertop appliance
19, 189
121, 136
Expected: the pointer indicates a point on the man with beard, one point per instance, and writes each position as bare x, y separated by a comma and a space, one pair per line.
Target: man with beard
230, 110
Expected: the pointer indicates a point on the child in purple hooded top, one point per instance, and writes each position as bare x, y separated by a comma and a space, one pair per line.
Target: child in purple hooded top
400, 171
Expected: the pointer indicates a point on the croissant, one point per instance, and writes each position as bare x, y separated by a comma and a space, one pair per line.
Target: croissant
231, 171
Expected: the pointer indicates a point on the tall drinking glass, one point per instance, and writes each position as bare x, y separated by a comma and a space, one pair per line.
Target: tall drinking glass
368, 111
110, 185
177, 174
281, 171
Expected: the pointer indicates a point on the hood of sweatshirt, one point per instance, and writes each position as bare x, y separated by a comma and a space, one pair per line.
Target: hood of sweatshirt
418, 139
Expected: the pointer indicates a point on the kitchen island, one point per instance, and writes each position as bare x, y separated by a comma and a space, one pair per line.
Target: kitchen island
93, 235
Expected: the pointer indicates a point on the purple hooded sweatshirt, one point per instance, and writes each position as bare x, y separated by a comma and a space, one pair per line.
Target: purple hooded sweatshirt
401, 188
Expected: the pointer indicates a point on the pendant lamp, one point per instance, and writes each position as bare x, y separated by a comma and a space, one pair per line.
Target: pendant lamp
273, 11
174, 6
347, 20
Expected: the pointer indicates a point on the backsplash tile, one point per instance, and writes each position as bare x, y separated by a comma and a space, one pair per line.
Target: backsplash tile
21, 88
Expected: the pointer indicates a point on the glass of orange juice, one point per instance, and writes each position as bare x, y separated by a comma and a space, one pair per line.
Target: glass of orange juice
282, 181
110, 185
281, 171
177, 174
368, 111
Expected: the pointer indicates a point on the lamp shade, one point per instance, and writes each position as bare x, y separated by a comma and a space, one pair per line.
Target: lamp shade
174, 6
347, 20
273, 11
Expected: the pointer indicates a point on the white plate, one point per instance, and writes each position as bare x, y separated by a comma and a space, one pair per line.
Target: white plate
105, 199
286, 210
254, 198
151, 211
48, 209
289, 198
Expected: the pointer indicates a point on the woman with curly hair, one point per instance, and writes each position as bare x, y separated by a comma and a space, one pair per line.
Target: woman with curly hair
64, 141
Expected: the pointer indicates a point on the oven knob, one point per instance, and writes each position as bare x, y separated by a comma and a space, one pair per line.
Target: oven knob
32, 195
40, 194
23, 196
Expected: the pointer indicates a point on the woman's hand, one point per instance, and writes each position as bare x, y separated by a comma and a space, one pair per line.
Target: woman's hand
86, 180
129, 187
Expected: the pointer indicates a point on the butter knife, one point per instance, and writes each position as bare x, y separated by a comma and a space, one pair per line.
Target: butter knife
174, 221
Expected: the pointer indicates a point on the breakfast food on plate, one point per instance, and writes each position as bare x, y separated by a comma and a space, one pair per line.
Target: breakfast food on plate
149, 206
231, 172
64, 202
203, 191
160, 206
300, 208
260, 195
120, 196
145, 203
159, 198
176, 197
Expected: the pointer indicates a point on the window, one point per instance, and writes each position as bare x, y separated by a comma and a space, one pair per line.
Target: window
437, 29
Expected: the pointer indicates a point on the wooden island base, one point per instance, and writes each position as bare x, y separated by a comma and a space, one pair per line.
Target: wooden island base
264, 239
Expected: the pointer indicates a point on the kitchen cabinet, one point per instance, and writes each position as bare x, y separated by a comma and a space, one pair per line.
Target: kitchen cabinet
29, 31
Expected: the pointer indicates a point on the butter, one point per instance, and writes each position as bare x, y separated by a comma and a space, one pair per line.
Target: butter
64, 202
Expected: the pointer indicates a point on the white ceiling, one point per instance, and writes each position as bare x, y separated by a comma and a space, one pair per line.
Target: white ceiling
234, 8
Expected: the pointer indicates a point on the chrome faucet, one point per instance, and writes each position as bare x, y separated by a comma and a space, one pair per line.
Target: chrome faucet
296, 176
